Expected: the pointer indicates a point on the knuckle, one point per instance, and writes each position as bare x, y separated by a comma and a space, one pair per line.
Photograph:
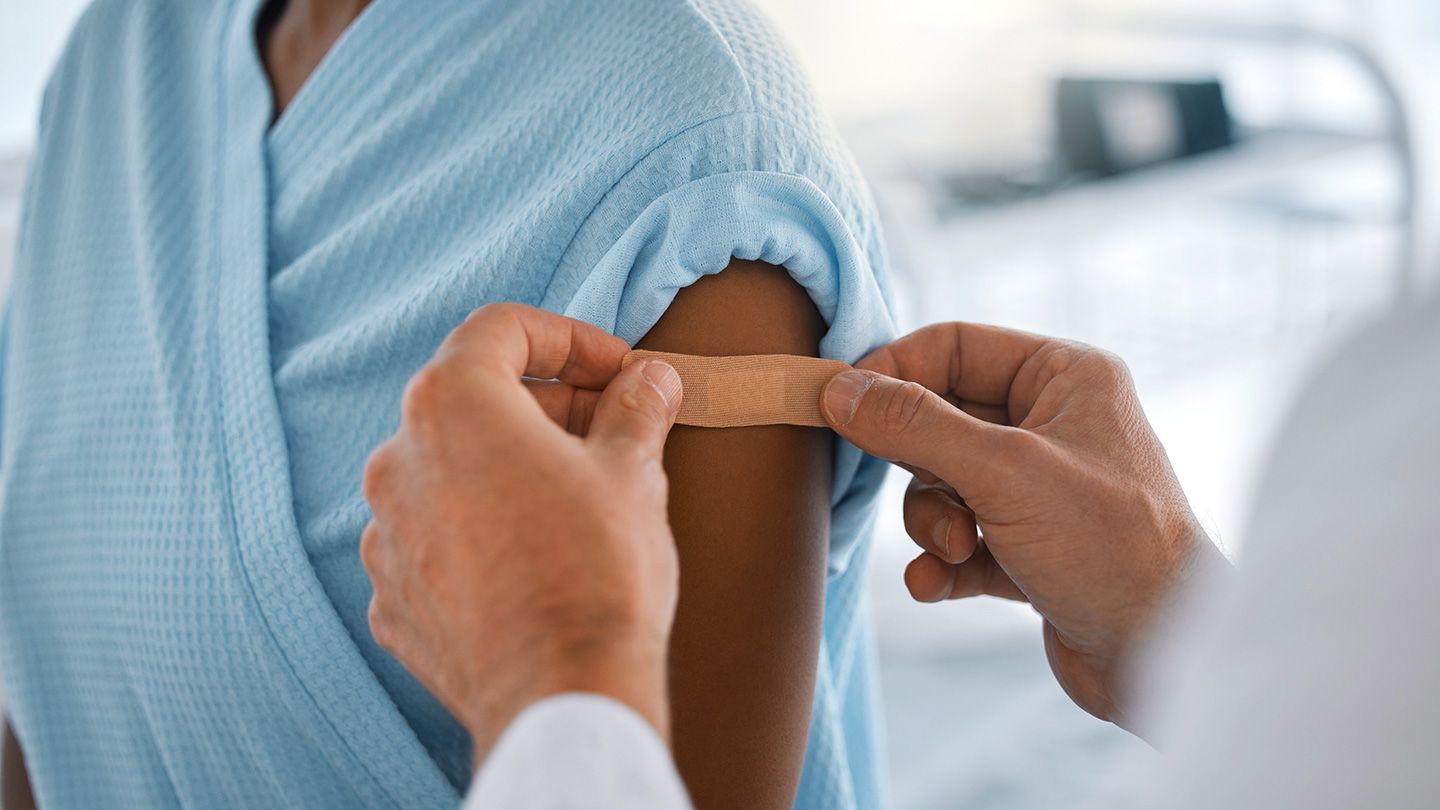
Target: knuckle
1104, 365
498, 311
918, 512
642, 399
479, 327
1060, 356
421, 402
643, 405
1019, 451
380, 627
1115, 366
1106, 358
1020, 442
374, 479
1092, 363
901, 405
370, 549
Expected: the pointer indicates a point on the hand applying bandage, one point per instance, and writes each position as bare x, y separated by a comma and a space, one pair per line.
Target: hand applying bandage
1037, 478
520, 546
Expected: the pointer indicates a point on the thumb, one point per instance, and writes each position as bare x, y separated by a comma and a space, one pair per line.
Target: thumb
906, 422
638, 408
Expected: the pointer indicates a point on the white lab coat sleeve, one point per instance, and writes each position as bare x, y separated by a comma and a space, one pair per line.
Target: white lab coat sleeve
578, 751
1312, 680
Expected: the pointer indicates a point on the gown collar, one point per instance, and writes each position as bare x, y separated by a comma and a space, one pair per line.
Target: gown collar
321, 672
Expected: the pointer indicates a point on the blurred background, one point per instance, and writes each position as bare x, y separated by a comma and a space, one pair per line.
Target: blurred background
1214, 189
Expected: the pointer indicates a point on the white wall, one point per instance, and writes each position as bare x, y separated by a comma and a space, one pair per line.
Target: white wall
32, 33
874, 58
974, 76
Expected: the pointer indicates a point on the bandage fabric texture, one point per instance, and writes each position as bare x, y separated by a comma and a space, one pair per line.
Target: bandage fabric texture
215, 311
757, 389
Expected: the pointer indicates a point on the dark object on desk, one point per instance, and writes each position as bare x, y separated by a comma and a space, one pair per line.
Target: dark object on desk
1110, 126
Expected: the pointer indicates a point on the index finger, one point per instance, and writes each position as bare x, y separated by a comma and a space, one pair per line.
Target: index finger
517, 341
965, 361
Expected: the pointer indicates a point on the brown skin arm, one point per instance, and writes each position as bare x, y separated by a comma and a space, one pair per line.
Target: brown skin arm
15, 793
750, 509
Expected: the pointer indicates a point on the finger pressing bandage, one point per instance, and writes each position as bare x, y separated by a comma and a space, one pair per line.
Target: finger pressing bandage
760, 389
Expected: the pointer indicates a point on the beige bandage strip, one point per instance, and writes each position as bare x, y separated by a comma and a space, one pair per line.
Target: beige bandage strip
759, 389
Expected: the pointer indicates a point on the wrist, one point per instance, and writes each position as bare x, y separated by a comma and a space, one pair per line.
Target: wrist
1197, 559
629, 670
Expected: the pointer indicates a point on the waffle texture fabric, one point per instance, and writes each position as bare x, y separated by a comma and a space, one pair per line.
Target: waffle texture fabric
213, 319
756, 389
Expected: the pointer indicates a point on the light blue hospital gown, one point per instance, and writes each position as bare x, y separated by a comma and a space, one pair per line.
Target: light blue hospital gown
212, 321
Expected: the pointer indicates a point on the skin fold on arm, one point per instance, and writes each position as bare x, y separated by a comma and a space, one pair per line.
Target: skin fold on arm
750, 509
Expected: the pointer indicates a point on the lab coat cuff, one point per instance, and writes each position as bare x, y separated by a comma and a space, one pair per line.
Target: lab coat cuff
579, 750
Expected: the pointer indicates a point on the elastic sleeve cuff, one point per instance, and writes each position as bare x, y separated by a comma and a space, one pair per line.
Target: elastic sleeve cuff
695, 230
777, 218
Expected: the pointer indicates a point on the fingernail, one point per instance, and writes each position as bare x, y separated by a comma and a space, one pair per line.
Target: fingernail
664, 378
942, 538
842, 396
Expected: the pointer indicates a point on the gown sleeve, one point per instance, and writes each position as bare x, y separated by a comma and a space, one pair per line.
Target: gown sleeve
743, 186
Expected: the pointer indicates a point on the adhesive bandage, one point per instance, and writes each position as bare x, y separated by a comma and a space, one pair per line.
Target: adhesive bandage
760, 389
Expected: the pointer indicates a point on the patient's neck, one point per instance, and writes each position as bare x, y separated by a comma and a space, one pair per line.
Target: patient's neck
295, 35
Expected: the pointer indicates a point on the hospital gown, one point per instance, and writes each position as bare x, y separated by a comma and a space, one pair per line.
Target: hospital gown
213, 319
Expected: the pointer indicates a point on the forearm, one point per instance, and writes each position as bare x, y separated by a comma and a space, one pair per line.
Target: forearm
1145, 673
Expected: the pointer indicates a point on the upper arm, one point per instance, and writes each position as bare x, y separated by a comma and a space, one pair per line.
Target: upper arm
750, 512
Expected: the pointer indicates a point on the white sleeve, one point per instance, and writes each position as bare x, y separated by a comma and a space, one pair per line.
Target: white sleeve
578, 751
1313, 681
